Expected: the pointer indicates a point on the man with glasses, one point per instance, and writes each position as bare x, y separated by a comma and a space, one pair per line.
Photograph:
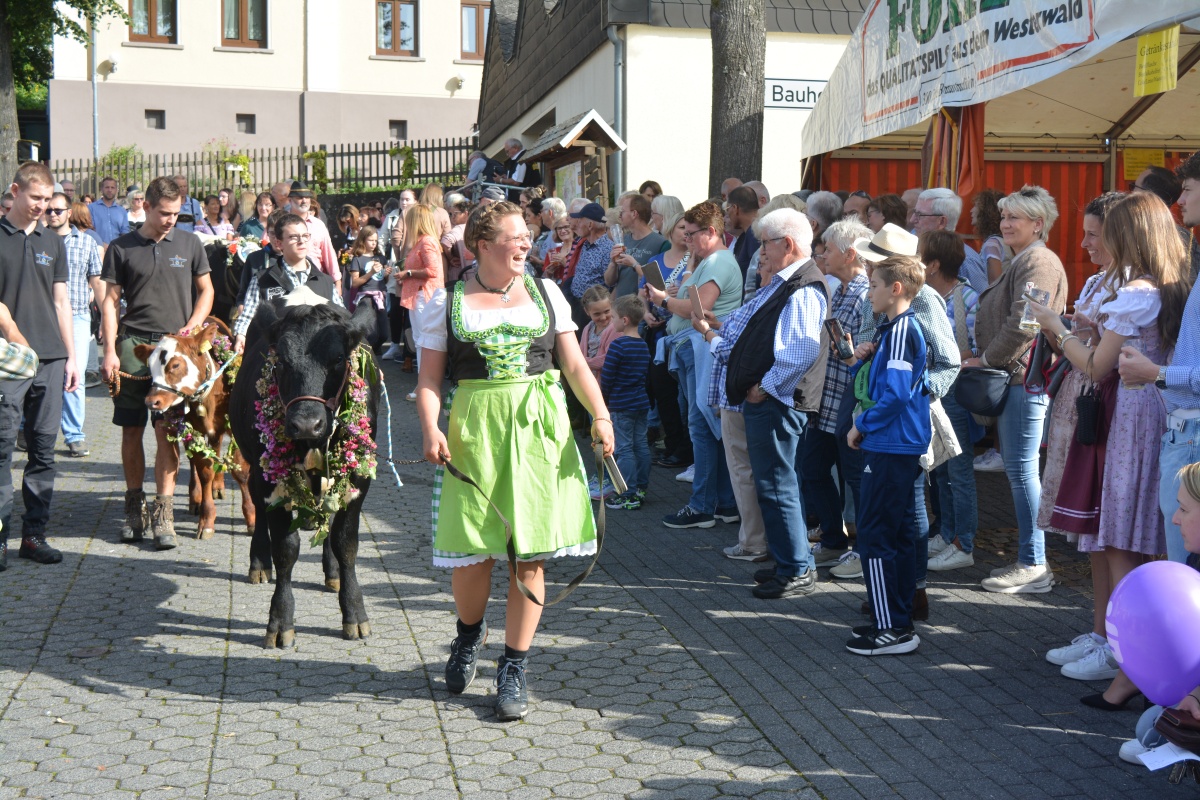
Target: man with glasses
68, 188
84, 267
939, 210
157, 270
33, 285
285, 272
320, 247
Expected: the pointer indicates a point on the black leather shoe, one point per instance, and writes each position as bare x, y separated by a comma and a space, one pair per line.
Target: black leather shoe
780, 587
763, 575
34, 547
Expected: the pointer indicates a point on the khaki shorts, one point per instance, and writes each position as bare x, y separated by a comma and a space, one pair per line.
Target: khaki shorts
129, 407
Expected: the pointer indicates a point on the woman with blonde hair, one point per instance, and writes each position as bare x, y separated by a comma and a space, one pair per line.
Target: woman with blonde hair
1145, 289
661, 207
423, 269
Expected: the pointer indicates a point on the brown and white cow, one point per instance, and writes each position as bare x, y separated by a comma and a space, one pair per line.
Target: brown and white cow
180, 367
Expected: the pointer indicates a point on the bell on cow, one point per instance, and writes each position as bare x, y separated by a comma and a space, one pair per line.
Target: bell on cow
314, 460
200, 412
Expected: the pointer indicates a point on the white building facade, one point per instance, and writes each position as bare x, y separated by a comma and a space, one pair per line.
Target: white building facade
271, 73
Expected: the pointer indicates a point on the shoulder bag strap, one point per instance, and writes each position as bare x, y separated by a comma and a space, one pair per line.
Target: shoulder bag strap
960, 319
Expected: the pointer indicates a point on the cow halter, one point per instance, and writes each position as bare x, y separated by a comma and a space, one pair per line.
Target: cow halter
332, 403
196, 397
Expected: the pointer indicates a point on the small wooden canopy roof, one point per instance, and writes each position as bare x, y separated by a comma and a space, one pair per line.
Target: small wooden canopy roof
585, 129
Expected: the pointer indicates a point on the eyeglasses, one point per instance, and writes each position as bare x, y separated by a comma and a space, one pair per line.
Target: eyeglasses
772, 241
54, 212
923, 214
298, 239
562, 227
690, 234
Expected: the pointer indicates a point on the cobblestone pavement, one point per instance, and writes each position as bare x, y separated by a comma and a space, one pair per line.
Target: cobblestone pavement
130, 673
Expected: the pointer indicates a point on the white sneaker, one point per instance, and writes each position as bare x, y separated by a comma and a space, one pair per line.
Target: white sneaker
936, 545
848, 566
688, 475
738, 553
950, 558
1131, 750
1082, 645
596, 492
1098, 665
390, 353
991, 461
1021, 579
998, 571
411, 397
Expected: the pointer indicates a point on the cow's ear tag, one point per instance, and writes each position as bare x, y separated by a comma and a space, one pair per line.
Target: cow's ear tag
206, 346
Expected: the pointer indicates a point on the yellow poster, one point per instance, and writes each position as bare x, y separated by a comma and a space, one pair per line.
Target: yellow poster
1157, 62
1138, 159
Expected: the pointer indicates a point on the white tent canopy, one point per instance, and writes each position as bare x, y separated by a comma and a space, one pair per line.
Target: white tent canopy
1057, 73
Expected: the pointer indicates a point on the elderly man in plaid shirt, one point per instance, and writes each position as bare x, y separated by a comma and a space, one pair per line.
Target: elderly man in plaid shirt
83, 261
823, 449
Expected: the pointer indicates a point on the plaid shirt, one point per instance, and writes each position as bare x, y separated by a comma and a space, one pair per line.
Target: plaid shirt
83, 261
847, 309
797, 341
17, 362
942, 351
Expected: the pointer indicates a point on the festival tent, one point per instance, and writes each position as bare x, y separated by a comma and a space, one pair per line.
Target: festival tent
1021, 91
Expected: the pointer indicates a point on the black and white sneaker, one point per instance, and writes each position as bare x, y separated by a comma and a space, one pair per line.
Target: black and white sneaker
688, 517
886, 642
512, 699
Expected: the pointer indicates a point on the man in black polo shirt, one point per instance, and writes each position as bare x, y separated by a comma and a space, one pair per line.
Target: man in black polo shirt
155, 268
33, 283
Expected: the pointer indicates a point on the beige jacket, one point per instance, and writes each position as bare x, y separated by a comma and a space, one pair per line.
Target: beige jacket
997, 322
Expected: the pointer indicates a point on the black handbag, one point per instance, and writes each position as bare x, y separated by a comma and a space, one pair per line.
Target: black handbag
982, 390
1040, 358
1087, 407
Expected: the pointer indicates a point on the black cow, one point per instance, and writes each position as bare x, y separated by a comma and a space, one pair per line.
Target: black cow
313, 345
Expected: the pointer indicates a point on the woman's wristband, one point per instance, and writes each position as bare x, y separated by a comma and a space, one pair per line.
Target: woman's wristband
601, 419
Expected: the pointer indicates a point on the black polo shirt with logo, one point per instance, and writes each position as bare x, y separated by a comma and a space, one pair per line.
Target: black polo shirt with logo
156, 278
30, 265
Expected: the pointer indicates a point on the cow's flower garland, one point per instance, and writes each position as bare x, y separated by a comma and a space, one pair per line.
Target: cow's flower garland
180, 431
351, 452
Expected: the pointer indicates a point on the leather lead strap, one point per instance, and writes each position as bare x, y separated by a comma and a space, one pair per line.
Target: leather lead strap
512, 551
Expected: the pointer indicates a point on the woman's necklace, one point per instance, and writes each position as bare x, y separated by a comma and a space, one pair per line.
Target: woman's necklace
504, 298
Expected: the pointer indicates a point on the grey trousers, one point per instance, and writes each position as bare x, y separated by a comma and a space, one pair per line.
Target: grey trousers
39, 399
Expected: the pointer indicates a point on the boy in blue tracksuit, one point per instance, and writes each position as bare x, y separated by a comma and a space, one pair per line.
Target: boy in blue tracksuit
893, 433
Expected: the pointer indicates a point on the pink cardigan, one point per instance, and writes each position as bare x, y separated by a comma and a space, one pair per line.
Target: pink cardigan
425, 254
596, 362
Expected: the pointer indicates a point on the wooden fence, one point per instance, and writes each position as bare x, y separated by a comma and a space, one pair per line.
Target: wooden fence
343, 168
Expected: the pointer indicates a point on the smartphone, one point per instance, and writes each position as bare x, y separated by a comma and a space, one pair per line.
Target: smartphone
699, 302
843, 348
654, 276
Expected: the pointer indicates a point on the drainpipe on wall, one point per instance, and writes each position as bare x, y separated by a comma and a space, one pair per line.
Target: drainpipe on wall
95, 90
618, 107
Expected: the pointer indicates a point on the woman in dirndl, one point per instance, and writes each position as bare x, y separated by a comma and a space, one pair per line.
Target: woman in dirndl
501, 333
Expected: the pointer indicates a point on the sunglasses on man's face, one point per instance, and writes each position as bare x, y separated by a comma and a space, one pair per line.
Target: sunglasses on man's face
54, 212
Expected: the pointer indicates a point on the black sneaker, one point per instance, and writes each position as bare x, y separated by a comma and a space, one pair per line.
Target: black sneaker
888, 642
688, 517
34, 547
728, 514
21, 445
628, 500
672, 462
765, 574
464, 652
780, 587
512, 701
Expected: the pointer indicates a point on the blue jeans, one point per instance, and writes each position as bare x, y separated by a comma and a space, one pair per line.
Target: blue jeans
822, 497
711, 488
74, 402
773, 436
1020, 428
632, 449
1145, 732
956, 483
1179, 448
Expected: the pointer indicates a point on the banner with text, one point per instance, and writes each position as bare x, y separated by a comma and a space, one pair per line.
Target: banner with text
910, 57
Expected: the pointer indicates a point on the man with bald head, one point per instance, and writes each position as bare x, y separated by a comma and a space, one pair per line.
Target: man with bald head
760, 189
280, 193
728, 185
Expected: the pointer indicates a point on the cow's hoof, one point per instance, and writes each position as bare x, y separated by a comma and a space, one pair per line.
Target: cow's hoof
279, 639
333, 584
249, 530
193, 508
360, 631
204, 533
260, 576
219, 494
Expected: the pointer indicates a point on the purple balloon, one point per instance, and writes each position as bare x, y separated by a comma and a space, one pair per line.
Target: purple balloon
1153, 624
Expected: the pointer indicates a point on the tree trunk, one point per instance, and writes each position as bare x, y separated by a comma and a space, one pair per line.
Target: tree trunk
739, 52
9, 131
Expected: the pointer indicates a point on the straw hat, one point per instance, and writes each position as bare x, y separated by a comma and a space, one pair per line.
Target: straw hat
892, 240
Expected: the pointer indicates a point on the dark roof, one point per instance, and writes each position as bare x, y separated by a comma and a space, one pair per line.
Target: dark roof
783, 16
531, 49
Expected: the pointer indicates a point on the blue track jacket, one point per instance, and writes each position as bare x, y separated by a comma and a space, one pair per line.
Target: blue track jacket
899, 420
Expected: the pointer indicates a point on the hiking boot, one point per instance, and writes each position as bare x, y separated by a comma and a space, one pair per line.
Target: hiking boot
162, 523
34, 547
134, 529
512, 700
464, 652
